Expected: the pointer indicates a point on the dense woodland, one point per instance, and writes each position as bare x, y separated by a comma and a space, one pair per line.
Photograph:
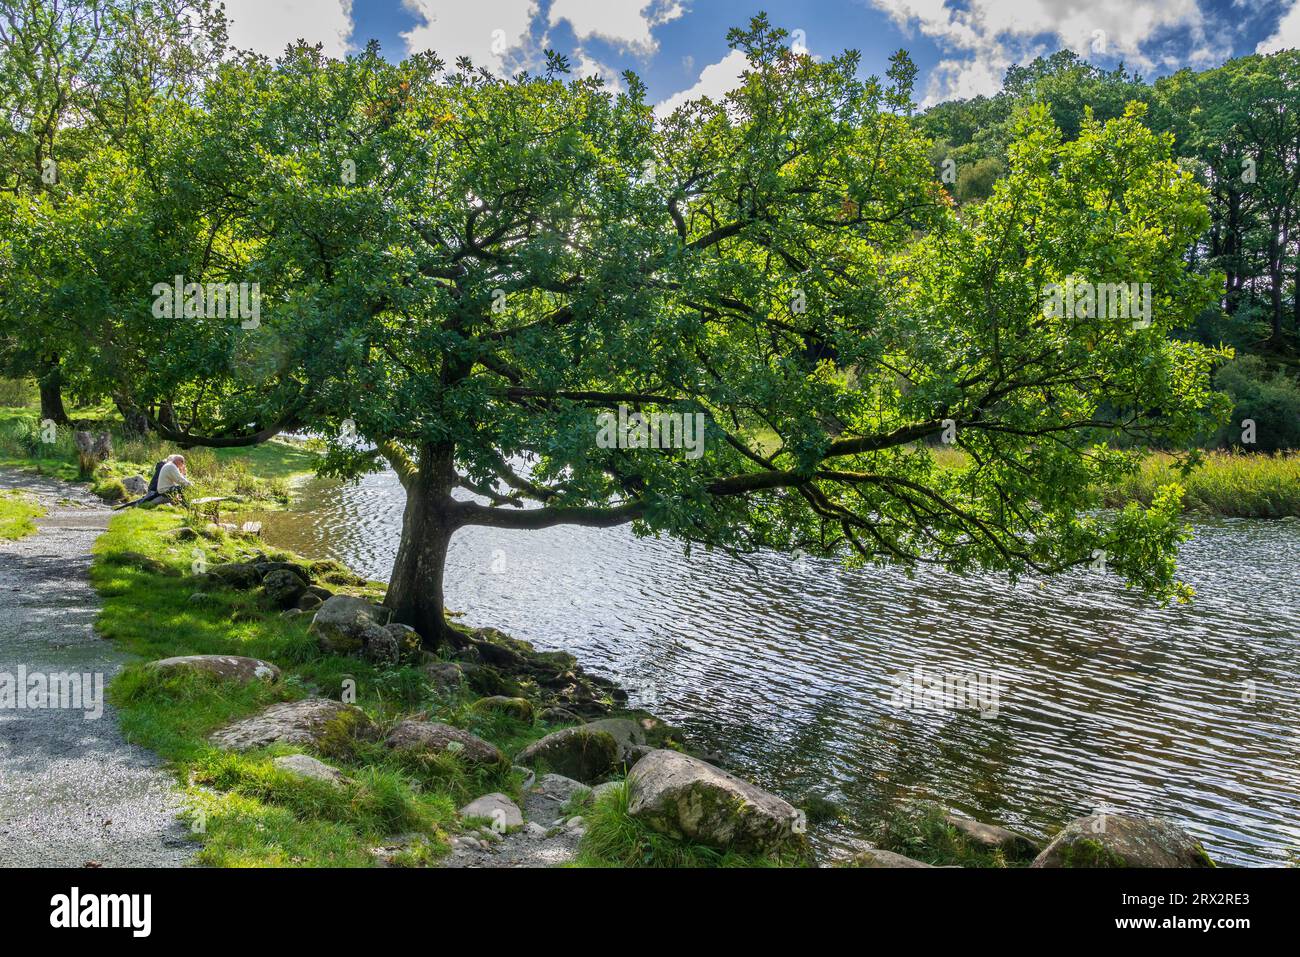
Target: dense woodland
1237, 128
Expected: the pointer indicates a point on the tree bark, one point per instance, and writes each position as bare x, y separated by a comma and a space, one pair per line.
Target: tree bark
51, 384
134, 420
415, 587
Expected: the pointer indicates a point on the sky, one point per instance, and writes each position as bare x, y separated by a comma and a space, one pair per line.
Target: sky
679, 48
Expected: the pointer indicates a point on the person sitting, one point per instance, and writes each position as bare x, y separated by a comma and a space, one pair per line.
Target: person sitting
169, 479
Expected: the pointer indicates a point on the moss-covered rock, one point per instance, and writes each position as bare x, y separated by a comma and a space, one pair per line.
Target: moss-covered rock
327, 726
520, 708
432, 737
583, 753
684, 797
1115, 840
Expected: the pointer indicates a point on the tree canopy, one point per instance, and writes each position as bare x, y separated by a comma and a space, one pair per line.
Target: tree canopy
466, 271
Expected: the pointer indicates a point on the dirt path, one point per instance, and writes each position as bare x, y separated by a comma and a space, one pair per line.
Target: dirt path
72, 790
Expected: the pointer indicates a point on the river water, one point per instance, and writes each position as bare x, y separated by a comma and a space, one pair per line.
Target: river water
1079, 696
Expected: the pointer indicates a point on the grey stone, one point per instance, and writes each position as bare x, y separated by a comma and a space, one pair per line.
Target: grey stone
229, 667
686, 798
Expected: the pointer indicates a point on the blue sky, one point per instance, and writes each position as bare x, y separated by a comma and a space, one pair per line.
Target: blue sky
679, 48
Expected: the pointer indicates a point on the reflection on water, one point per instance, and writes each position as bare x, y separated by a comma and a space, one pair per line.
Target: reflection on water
791, 668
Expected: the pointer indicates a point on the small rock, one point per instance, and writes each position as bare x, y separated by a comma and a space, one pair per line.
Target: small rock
380, 647
343, 624
445, 676
308, 602
874, 857
496, 807
305, 766
283, 587
407, 638
1015, 847
235, 575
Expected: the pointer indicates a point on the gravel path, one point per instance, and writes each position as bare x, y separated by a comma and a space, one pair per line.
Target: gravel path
72, 791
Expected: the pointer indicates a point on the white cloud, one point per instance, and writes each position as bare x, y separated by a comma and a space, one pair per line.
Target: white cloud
715, 80
625, 23
1287, 34
268, 26
983, 37
589, 66
484, 30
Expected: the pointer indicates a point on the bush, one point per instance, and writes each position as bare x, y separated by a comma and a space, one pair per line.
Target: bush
16, 393
1270, 399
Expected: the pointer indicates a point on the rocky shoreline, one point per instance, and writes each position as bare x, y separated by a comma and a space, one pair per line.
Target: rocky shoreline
603, 752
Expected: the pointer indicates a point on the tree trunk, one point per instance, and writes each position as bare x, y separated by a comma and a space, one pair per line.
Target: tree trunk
134, 421
415, 588
1275, 280
51, 384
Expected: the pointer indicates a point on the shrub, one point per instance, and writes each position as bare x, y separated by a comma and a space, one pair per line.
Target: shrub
1270, 398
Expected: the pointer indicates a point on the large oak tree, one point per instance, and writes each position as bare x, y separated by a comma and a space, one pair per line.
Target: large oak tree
471, 269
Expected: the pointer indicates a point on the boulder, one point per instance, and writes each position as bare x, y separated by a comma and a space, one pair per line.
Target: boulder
635, 735
305, 766
684, 797
318, 723
343, 625
283, 587
520, 708
1115, 840
445, 675
496, 807
135, 484
991, 837
582, 753
875, 857
229, 667
432, 737
236, 574
307, 602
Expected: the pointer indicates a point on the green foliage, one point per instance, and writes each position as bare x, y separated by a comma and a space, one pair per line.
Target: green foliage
1234, 485
918, 830
516, 256
1271, 399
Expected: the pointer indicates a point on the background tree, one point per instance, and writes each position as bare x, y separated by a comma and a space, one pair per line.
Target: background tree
76, 76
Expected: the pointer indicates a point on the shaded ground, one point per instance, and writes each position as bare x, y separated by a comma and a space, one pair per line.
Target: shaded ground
72, 790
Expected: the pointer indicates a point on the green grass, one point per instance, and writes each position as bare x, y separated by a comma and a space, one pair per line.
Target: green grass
1230, 484
917, 829
245, 811
16, 514
1239, 486
263, 473
616, 839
